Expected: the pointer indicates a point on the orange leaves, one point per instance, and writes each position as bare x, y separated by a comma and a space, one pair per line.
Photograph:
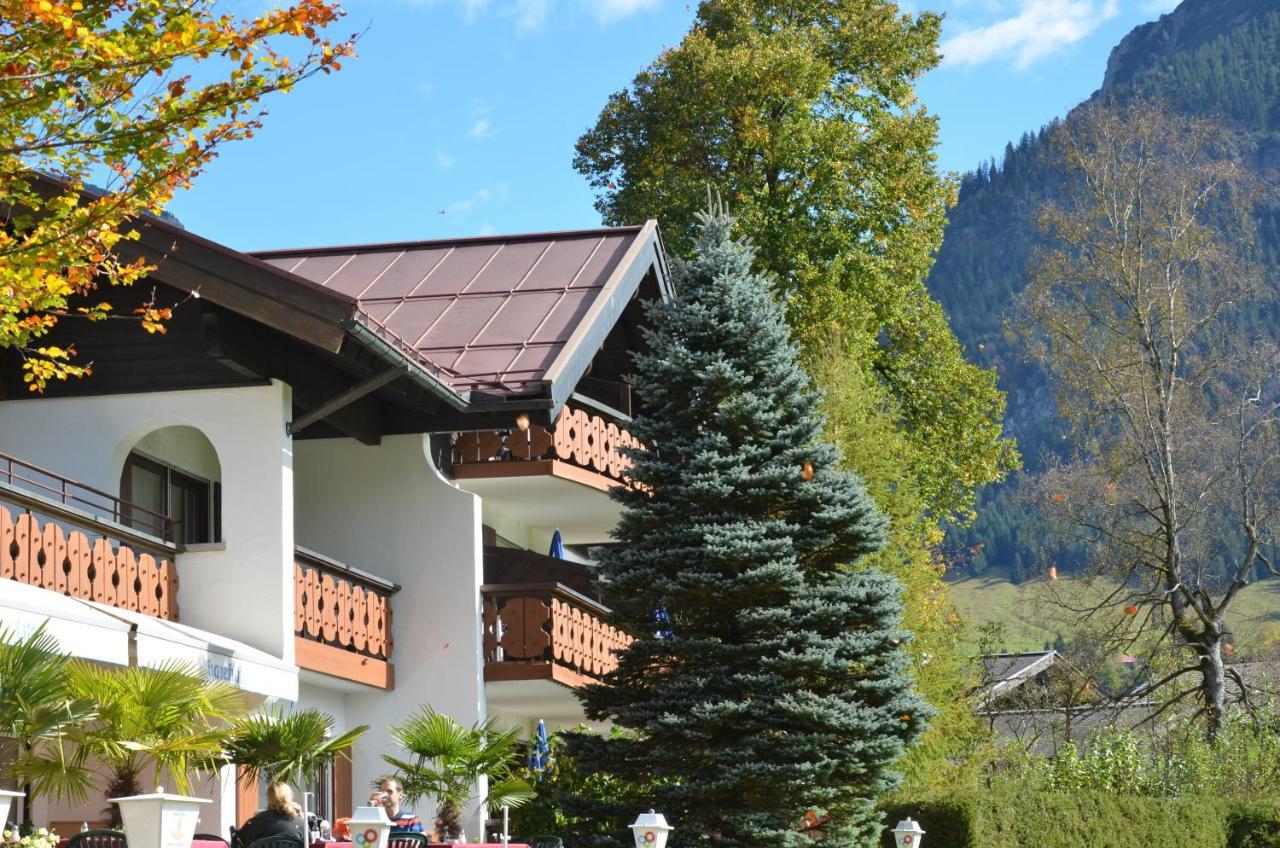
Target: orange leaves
153, 318
110, 91
1131, 609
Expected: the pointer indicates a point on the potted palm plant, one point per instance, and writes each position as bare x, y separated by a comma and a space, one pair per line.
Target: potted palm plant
290, 746
171, 719
445, 761
37, 707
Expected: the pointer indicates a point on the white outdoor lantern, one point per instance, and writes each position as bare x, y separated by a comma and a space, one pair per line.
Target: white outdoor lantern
369, 827
651, 830
7, 797
908, 834
160, 820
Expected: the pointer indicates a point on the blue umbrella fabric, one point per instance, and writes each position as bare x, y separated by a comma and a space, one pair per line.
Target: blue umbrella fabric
557, 545
540, 750
662, 622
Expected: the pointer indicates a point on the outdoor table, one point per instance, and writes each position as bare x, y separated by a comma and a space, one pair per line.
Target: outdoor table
195, 843
432, 845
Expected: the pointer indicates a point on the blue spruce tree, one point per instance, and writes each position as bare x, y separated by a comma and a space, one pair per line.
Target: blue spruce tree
778, 688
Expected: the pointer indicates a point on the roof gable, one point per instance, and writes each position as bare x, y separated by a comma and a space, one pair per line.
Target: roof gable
499, 318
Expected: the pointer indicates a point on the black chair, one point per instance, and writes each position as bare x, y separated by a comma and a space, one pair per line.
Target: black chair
546, 842
407, 839
210, 837
280, 841
98, 839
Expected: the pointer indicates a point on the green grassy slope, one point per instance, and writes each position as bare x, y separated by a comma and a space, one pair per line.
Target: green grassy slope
1033, 615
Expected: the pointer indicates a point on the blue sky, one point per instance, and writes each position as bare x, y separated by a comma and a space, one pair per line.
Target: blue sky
459, 116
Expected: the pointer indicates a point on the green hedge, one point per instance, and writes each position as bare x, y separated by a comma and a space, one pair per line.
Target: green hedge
1095, 820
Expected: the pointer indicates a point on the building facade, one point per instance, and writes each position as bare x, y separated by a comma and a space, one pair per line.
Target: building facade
334, 481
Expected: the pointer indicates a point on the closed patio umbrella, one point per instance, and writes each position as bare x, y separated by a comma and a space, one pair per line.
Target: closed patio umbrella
557, 545
540, 750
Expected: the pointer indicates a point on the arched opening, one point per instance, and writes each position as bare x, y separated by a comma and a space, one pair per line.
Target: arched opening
174, 476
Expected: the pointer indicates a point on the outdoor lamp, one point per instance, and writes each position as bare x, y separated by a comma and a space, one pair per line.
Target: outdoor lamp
522, 422
908, 834
651, 830
369, 827
159, 819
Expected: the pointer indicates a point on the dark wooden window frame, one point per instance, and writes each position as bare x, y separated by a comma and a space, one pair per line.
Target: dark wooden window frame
207, 491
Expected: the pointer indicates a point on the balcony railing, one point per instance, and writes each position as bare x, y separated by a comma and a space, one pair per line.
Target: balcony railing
51, 538
51, 486
340, 606
580, 438
539, 627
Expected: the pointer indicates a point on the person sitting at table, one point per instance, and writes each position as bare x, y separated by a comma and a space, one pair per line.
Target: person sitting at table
389, 798
282, 817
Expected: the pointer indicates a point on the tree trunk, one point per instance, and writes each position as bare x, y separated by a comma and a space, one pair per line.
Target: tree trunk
1212, 683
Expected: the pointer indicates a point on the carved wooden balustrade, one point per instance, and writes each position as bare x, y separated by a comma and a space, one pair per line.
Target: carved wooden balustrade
340, 606
51, 541
580, 438
535, 629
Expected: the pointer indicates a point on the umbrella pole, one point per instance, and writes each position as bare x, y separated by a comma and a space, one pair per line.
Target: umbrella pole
506, 821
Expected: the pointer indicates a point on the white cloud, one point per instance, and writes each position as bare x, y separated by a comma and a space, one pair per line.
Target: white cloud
444, 161
462, 207
480, 129
608, 11
1040, 28
531, 16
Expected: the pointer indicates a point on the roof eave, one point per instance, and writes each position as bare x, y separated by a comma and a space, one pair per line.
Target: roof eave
644, 254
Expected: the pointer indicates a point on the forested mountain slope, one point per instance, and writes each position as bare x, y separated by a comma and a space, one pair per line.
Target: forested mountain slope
1212, 58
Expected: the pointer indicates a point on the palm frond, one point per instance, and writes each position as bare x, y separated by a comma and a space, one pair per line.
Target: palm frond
288, 746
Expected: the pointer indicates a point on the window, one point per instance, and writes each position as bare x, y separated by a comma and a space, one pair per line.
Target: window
193, 504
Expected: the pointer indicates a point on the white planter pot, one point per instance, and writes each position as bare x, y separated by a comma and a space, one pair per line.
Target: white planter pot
160, 820
7, 797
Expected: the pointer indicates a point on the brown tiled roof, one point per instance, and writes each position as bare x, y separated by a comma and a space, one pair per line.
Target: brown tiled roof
489, 314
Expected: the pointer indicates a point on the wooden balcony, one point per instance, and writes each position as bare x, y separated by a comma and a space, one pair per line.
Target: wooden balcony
547, 631
64, 536
580, 446
342, 620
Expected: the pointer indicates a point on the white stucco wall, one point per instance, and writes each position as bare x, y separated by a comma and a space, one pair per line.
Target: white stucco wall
386, 510
185, 448
244, 591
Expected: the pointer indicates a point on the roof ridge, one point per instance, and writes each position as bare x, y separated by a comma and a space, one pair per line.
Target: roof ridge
276, 253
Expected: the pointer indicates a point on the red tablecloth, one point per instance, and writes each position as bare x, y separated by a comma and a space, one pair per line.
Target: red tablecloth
195, 843
433, 845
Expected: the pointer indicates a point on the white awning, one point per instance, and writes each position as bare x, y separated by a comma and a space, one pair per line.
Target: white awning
81, 628
156, 642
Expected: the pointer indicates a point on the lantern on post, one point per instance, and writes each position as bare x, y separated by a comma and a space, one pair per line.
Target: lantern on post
651, 829
369, 827
908, 834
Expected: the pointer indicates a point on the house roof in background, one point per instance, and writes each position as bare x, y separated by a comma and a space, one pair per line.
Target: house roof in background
499, 315
1007, 672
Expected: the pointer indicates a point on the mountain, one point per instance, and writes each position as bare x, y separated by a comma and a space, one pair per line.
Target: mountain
1212, 58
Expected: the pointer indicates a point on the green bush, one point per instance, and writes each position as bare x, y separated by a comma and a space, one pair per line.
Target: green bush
949, 823
1253, 826
1029, 819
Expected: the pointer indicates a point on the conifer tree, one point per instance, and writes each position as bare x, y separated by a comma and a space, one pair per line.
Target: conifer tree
778, 688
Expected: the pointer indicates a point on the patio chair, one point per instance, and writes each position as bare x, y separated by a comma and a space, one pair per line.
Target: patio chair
209, 837
98, 839
406, 839
546, 842
280, 841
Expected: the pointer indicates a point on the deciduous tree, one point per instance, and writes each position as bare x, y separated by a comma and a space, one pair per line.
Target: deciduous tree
121, 103
1140, 308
